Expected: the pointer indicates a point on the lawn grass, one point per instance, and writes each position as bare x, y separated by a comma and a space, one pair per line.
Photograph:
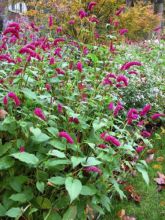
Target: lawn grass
152, 205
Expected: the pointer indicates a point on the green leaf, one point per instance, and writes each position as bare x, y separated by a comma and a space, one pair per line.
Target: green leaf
52, 216
91, 161
144, 173
4, 148
77, 160
29, 94
14, 212
58, 180
16, 182
71, 213
55, 162
40, 186
22, 197
56, 153
73, 186
98, 124
42, 137
6, 162
88, 191
2, 210
39, 136
44, 203
117, 188
57, 144
26, 158
52, 130
35, 131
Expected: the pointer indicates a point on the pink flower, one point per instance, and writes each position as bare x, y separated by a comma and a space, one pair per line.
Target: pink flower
50, 21
123, 31
71, 22
74, 120
58, 40
59, 30
145, 134
112, 140
107, 81
38, 112
102, 135
157, 29
79, 66
112, 48
82, 14
65, 135
5, 100
11, 30
111, 106
13, 96
132, 72
60, 71
93, 169
127, 65
102, 146
118, 108
139, 149
132, 115
57, 52
91, 5
93, 19
123, 79
48, 87
52, 61
6, 57
18, 59
14, 25
111, 75
157, 115
22, 149
140, 123
18, 71
85, 51
60, 108
119, 11
145, 110
116, 23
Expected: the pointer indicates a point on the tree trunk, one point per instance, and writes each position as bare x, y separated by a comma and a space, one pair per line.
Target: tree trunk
159, 9
129, 3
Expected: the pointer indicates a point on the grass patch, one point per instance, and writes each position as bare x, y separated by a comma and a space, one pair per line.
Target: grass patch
152, 205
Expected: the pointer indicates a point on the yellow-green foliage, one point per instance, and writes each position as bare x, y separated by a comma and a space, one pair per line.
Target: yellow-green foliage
139, 20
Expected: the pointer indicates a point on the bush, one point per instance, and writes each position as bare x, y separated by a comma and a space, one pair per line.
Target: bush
140, 21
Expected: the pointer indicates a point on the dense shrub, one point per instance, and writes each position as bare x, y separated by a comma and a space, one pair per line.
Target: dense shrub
140, 20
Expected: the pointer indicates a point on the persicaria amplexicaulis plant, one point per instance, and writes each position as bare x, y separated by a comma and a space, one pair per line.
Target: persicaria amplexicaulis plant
66, 133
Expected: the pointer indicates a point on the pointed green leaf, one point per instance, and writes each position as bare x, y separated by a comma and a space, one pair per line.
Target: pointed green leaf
73, 186
71, 213
26, 158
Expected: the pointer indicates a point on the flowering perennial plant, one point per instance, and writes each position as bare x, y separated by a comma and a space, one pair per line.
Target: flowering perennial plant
67, 139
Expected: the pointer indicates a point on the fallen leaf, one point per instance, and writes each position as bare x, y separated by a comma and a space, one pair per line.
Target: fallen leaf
150, 158
121, 213
3, 114
160, 181
157, 167
162, 203
126, 217
133, 194
151, 151
160, 159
